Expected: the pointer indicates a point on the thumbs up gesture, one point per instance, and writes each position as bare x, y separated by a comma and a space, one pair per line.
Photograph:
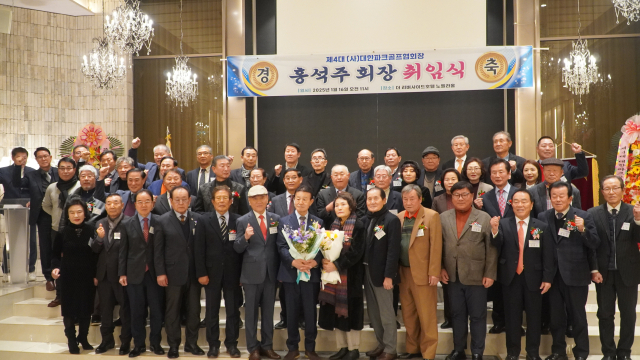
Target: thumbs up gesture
100, 231
636, 212
249, 233
580, 223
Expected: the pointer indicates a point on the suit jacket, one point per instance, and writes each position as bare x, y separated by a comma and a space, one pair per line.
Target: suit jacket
483, 187
173, 253
451, 164
279, 205
11, 190
539, 193
34, 182
382, 255
162, 204
425, 252
626, 244
394, 201
214, 254
260, 258
135, 252
275, 184
572, 254
203, 200
354, 179
152, 168
472, 253
193, 178
288, 273
124, 195
108, 251
325, 181
490, 203
156, 187
539, 263
438, 175
516, 176
327, 196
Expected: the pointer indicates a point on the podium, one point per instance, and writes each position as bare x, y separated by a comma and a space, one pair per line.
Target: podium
16, 218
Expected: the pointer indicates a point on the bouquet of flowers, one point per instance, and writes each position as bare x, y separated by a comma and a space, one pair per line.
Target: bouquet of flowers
331, 246
304, 244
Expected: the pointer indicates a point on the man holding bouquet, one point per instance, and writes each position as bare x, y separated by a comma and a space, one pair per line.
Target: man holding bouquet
300, 233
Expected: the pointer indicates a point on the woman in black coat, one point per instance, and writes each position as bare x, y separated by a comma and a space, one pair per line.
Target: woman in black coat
75, 273
342, 305
409, 173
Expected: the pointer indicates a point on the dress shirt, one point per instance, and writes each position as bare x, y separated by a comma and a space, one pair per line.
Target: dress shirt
306, 218
207, 172
617, 208
178, 215
505, 194
257, 214
386, 192
364, 179
226, 219
141, 220
564, 213
339, 190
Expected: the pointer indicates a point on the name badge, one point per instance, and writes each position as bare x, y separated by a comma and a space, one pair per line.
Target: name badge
96, 211
151, 230
563, 178
420, 232
232, 237
369, 187
476, 228
380, 234
564, 232
273, 230
116, 236
393, 211
397, 182
194, 231
626, 226
534, 243
438, 188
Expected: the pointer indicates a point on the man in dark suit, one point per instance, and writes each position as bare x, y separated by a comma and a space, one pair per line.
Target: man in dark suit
382, 175
546, 149
135, 183
152, 168
119, 182
432, 172
292, 154
37, 183
552, 169
176, 270
222, 169
256, 243
318, 179
460, 147
203, 174
218, 268
392, 159
525, 270
171, 180
288, 273
362, 179
501, 145
108, 160
249, 156
167, 163
618, 265
110, 291
575, 237
340, 182
137, 273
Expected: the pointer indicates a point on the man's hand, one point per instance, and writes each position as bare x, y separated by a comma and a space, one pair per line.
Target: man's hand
104, 171
478, 202
328, 266
123, 280
135, 143
495, 224
545, 287
100, 231
433, 280
329, 207
107, 182
85, 155
29, 205
163, 281
444, 276
203, 280
230, 159
636, 212
487, 282
597, 278
55, 273
388, 283
249, 232
277, 169
95, 282
580, 223
576, 148
513, 165
311, 263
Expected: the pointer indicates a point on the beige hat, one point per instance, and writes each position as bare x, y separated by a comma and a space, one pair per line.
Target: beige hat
258, 190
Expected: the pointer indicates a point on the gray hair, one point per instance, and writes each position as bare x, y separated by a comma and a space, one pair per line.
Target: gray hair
164, 148
505, 133
339, 166
382, 167
207, 147
466, 139
124, 159
218, 158
88, 168
412, 187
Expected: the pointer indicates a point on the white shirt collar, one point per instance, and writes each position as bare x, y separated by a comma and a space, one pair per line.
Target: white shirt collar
506, 189
258, 215
186, 214
464, 158
564, 213
306, 217
609, 208
526, 222
226, 216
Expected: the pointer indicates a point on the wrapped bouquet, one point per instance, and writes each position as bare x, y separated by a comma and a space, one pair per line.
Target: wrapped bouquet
304, 244
331, 247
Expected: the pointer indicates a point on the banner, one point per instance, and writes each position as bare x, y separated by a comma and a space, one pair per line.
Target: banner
494, 67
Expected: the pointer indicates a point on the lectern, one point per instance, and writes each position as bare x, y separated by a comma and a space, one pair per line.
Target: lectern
16, 217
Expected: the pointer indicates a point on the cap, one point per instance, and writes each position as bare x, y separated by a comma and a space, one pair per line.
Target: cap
552, 161
430, 150
258, 190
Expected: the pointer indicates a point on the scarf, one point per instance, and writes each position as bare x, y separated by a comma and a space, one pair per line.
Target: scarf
336, 294
64, 186
375, 217
112, 225
245, 175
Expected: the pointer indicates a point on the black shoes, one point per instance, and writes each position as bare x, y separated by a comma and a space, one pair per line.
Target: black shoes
280, 325
352, 355
456, 355
104, 347
556, 356
85, 344
233, 351
213, 352
73, 347
406, 356
446, 324
496, 329
301, 324
124, 349
156, 349
96, 320
137, 351
337, 356
173, 353
117, 322
476, 357
203, 324
194, 349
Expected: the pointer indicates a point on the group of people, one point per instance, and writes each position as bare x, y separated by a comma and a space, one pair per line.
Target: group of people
150, 237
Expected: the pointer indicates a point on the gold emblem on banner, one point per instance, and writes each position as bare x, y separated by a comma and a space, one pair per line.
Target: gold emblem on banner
263, 75
491, 67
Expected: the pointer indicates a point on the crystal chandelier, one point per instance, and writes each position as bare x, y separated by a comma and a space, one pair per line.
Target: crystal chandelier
102, 68
130, 29
627, 8
580, 76
181, 87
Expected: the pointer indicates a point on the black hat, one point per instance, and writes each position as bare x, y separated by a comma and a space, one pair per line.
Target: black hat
552, 161
430, 150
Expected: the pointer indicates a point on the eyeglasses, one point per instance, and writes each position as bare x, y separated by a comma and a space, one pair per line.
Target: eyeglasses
181, 201
461, 196
203, 153
65, 169
611, 190
381, 177
317, 159
221, 198
474, 169
364, 158
43, 157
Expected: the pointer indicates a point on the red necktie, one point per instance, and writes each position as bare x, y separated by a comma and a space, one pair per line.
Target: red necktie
502, 203
263, 227
290, 204
521, 242
145, 233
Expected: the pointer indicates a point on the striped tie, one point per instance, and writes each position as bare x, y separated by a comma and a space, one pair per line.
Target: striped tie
223, 227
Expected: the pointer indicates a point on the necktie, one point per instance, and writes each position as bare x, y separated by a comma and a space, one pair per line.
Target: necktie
521, 243
302, 224
502, 203
263, 227
48, 177
614, 212
201, 181
290, 204
182, 217
223, 227
559, 216
145, 233
459, 161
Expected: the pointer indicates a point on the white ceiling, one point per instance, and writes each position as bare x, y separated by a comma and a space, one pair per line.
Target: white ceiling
66, 7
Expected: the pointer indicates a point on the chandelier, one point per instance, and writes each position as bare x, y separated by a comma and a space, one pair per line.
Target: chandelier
181, 87
130, 29
627, 8
581, 75
102, 68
